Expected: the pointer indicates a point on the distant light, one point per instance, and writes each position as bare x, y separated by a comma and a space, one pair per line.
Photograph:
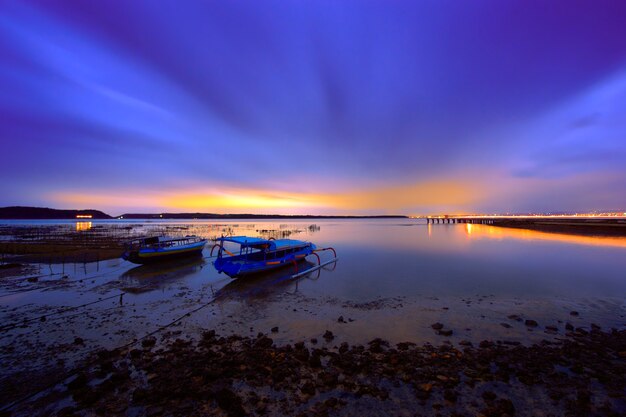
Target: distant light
84, 216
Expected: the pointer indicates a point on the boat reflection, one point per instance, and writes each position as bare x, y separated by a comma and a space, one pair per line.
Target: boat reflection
479, 231
266, 284
152, 276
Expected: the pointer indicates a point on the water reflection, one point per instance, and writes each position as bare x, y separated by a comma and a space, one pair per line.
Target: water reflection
149, 277
83, 226
479, 231
266, 284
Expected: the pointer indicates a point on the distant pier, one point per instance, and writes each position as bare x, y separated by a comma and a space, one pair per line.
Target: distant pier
600, 226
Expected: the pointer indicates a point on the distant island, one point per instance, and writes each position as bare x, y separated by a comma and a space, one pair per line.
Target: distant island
41, 213
44, 213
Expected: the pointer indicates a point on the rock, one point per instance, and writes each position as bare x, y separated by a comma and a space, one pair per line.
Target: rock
450, 395
531, 323
444, 333
332, 402
328, 378
79, 341
514, 317
315, 361
230, 402
77, 383
328, 335
595, 327
376, 345
506, 325
64, 412
154, 411
274, 329
314, 340
505, 407
340, 320
574, 313
148, 342
485, 344
489, 396
264, 342
437, 326
308, 388
425, 387
208, 335
569, 327
552, 329
465, 343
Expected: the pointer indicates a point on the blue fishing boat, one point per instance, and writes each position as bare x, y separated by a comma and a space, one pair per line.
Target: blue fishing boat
256, 255
161, 248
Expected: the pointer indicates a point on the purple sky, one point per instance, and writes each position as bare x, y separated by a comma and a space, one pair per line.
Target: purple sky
314, 106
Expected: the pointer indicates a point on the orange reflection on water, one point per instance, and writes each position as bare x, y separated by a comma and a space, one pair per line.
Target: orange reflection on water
480, 231
82, 226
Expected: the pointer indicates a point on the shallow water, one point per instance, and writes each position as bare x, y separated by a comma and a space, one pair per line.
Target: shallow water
394, 278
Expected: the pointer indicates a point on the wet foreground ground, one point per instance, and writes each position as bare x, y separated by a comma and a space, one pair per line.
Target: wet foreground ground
111, 338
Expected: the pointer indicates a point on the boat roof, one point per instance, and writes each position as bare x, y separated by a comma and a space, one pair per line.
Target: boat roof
155, 239
257, 241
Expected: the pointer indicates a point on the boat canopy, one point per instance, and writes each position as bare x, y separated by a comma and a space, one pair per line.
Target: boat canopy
259, 243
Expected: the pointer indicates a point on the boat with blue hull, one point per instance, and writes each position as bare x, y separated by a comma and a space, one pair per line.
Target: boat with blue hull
257, 255
161, 248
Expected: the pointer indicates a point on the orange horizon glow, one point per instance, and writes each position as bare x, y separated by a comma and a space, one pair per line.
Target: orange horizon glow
402, 198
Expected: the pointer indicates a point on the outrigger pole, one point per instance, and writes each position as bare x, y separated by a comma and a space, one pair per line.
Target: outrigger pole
319, 263
315, 268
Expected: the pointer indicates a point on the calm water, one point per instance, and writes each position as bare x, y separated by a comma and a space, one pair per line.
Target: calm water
387, 258
407, 257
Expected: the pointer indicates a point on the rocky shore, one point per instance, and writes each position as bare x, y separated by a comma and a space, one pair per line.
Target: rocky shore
580, 375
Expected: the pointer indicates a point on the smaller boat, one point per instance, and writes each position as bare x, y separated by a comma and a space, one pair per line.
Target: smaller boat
162, 248
259, 255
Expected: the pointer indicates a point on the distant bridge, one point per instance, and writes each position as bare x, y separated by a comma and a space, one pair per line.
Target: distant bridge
588, 225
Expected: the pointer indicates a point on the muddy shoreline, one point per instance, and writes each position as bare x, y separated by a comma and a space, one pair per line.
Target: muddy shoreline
580, 375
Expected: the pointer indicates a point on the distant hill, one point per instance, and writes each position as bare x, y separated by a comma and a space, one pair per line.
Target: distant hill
243, 216
19, 212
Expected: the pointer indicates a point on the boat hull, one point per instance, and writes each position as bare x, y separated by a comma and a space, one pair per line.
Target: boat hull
238, 266
149, 256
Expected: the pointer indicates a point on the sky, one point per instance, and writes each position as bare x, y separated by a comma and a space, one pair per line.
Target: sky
314, 107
